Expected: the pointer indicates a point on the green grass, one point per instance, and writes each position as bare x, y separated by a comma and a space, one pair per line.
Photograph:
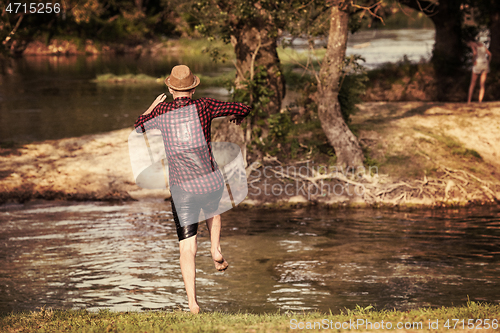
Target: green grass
456, 147
289, 56
128, 79
221, 80
177, 321
200, 46
141, 79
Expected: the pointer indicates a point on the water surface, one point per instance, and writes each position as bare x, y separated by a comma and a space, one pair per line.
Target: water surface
125, 257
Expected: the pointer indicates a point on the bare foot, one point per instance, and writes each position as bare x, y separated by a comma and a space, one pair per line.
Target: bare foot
195, 309
219, 261
221, 265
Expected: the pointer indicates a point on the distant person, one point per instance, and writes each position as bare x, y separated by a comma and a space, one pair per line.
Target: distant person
195, 180
481, 67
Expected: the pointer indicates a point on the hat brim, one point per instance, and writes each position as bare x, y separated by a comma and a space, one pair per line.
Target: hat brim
194, 85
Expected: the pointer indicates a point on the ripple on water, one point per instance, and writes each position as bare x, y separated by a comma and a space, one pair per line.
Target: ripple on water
125, 257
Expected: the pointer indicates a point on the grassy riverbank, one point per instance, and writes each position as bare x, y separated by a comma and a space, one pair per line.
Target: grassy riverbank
471, 317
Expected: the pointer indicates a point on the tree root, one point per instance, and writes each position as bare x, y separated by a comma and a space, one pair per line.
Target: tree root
451, 187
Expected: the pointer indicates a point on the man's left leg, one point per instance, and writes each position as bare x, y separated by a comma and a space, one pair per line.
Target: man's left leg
214, 227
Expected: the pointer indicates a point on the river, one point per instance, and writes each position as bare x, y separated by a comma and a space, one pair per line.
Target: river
124, 257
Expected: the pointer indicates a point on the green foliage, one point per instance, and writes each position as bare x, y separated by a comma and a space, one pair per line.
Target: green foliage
121, 21
279, 126
216, 54
392, 72
255, 92
352, 86
294, 148
416, 81
223, 19
369, 161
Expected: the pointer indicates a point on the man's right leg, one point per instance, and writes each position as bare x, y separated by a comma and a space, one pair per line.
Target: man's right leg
187, 234
214, 227
188, 248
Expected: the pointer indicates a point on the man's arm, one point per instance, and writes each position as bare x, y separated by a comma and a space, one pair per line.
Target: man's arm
141, 124
236, 111
235, 119
157, 101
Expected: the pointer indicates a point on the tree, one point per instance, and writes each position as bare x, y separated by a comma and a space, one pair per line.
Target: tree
253, 29
123, 21
494, 27
449, 53
339, 136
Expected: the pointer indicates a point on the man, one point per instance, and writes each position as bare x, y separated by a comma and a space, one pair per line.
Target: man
195, 180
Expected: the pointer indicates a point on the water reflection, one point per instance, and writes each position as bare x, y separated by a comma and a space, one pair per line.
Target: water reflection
125, 257
50, 97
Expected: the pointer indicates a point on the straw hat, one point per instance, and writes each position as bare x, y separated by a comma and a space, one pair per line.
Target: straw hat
182, 79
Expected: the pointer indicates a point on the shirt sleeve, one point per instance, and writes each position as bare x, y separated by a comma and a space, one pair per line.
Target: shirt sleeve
147, 122
221, 109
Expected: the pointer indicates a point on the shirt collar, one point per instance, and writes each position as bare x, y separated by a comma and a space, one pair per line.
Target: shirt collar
180, 101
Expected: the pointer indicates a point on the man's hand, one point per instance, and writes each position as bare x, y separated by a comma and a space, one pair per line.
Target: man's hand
236, 119
157, 101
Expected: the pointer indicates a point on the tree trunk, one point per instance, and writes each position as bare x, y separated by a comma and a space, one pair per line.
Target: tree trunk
495, 39
448, 52
346, 145
253, 48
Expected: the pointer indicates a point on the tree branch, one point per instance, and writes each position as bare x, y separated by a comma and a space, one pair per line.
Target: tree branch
428, 7
13, 32
369, 9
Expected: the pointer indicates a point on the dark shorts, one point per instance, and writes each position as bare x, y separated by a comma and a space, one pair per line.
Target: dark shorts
187, 206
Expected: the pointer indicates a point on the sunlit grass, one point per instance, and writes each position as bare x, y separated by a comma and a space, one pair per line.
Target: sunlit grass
200, 46
424, 319
300, 57
221, 80
128, 79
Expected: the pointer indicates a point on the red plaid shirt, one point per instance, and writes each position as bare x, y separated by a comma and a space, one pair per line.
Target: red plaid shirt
185, 127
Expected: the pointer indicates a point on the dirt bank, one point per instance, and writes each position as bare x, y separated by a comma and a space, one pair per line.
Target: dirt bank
419, 154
